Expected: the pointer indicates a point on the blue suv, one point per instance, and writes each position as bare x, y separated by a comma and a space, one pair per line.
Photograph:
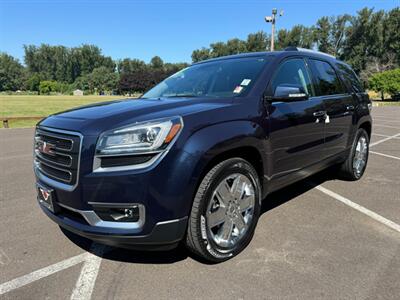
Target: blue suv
192, 159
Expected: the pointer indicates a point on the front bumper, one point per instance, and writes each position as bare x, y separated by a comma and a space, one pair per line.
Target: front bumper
164, 235
157, 189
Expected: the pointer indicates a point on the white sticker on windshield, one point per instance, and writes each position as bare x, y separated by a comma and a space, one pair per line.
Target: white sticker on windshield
238, 89
245, 82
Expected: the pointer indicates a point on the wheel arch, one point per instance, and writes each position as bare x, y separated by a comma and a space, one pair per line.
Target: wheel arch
367, 126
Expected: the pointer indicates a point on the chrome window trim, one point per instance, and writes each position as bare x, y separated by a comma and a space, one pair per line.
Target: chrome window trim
55, 183
94, 220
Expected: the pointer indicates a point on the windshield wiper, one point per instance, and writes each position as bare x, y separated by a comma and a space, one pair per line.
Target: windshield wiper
181, 95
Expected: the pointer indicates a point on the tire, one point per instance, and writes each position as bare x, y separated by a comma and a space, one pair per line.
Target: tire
239, 209
348, 170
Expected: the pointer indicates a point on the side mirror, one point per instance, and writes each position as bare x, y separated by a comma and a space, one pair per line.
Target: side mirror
289, 93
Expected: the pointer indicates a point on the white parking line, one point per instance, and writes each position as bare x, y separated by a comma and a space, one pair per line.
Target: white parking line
384, 140
360, 208
385, 120
385, 135
85, 284
387, 126
385, 155
39, 274
383, 117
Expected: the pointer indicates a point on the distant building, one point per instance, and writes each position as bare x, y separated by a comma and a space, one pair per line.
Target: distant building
78, 92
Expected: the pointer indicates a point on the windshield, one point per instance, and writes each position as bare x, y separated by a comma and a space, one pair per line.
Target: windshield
223, 78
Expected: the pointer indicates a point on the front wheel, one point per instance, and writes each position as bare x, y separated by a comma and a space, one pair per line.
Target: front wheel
354, 166
225, 211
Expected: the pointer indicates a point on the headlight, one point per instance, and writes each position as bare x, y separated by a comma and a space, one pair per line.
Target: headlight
144, 137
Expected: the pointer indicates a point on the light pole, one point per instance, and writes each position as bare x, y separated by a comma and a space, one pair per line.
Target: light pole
272, 19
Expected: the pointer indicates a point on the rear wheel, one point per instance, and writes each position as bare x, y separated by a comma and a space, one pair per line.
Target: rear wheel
354, 166
225, 211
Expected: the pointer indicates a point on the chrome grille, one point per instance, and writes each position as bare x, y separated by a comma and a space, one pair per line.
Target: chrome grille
57, 154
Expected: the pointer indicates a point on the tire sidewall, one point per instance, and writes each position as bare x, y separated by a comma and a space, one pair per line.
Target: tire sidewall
230, 166
360, 133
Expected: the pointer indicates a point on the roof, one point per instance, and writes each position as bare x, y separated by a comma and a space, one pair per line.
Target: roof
287, 51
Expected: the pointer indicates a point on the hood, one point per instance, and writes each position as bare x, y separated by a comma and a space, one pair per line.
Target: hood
95, 118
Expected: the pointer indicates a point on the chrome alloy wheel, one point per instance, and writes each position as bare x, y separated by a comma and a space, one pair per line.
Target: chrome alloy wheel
360, 155
230, 210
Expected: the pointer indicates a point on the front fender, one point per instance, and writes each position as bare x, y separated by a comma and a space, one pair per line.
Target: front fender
207, 143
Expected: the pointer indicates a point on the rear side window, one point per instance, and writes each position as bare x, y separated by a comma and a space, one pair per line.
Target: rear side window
293, 72
326, 80
351, 77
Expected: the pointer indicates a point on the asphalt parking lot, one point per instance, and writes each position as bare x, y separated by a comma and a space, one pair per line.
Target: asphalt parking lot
320, 238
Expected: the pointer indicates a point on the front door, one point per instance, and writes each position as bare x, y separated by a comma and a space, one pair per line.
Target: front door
296, 129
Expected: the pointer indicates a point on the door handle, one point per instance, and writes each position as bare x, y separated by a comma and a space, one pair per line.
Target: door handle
350, 107
320, 113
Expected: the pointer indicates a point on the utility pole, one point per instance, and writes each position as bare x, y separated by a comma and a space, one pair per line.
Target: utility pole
272, 20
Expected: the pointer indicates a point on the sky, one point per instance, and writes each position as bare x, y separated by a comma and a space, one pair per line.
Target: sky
142, 29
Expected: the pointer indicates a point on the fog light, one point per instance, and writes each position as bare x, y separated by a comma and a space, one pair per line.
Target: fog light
118, 214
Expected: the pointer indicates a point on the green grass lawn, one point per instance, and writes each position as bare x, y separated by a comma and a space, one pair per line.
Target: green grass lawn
31, 106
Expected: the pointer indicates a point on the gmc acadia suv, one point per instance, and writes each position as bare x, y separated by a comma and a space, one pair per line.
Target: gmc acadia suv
192, 159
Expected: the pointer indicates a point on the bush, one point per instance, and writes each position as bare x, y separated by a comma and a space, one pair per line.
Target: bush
47, 86
386, 82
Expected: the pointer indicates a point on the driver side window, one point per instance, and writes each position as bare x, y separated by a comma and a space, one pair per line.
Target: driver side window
293, 73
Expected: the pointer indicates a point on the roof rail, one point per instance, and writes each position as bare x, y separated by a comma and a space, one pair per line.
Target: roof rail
292, 48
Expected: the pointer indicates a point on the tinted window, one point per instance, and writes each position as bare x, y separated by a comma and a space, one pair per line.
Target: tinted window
293, 72
221, 78
351, 77
327, 82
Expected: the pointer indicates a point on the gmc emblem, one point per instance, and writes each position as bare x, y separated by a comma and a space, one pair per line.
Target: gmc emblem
46, 148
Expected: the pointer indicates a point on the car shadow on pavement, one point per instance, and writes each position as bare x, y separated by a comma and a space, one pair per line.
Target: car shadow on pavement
292, 191
180, 253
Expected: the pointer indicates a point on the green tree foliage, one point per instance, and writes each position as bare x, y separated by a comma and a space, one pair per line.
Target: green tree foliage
258, 41
369, 41
386, 82
201, 54
360, 40
156, 62
11, 73
128, 65
64, 64
47, 86
102, 79
33, 82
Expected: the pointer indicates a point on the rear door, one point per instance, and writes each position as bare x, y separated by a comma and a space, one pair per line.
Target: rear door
339, 106
295, 130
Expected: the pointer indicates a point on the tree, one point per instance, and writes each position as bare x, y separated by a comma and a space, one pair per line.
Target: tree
156, 63
322, 35
141, 81
236, 46
258, 41
33, 83
11, 73
298, 36
201, 54
386, 82
65, 64
101, 79
128, 65
391, 32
